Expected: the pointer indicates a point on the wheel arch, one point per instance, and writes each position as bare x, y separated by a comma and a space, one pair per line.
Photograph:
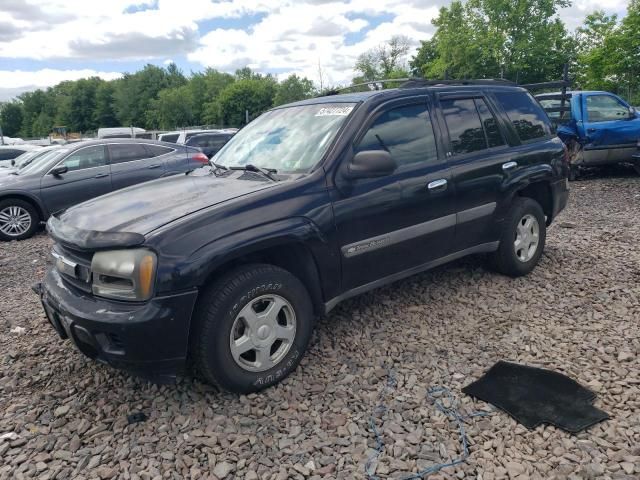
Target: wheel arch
541, 192
26, 198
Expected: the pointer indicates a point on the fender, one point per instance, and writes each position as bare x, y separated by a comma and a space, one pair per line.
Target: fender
202, 264
26, 194
520, 180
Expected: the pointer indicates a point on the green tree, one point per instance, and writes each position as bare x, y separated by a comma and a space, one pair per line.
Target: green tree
254, 95
204, 90
33, 103
522, 40
11, 118
171, 109
104, 114
384, 61
292, 89
135, 93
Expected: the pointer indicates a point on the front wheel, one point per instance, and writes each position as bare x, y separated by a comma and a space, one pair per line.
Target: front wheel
251, 328
18, 220
523, 239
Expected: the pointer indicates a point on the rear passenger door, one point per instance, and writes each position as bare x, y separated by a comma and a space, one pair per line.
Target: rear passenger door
132, 163
479, 158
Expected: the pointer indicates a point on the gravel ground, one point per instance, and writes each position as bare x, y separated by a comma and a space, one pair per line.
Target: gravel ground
64, 416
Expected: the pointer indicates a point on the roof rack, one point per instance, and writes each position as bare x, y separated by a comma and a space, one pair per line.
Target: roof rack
423, 82
416, 82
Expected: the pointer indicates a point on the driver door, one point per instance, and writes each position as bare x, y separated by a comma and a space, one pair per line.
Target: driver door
611, 129
88, 176
396, 223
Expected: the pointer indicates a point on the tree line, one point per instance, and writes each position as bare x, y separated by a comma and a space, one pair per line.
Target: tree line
519, 40
152, 98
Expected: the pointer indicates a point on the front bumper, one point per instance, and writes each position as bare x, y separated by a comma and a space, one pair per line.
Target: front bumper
146, 339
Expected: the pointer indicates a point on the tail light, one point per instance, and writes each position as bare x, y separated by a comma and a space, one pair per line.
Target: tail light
200, 157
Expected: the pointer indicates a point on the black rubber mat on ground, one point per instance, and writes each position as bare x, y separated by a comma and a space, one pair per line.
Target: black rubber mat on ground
533, 396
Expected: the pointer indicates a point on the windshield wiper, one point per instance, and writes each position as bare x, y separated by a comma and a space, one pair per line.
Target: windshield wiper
216, 167
267, 172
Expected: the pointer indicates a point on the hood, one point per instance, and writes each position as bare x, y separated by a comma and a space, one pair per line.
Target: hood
10, 181
144, 207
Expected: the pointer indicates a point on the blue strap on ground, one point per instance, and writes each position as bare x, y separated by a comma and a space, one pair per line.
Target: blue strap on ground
440, 397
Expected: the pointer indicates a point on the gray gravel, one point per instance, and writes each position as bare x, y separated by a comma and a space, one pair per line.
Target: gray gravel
64, 416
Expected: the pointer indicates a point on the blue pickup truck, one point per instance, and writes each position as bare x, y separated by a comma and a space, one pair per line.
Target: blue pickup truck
599, 128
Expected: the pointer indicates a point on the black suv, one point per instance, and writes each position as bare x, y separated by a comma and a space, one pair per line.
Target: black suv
308, 205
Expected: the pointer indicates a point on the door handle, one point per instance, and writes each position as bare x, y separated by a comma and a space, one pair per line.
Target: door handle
509, 166
437, 185
591, 130
101, 175
154, 166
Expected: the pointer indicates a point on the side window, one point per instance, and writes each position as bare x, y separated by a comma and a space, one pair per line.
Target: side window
463, 122
9, 153
157, 150
199, 141
603, 108
405, 132
88, 157
127, 152
525, 114
489, 123
171, 137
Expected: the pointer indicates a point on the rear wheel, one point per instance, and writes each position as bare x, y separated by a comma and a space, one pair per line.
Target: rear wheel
251, 328
18, 220
523, 239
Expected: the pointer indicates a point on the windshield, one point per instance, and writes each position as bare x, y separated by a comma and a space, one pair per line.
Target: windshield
43, 162
290, 139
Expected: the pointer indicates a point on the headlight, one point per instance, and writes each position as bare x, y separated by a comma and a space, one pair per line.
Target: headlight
124, 274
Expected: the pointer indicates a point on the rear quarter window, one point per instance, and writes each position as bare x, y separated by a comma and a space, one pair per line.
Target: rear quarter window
157, 150
527, 117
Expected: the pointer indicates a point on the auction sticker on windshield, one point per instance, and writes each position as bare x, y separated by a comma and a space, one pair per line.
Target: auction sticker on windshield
334, 111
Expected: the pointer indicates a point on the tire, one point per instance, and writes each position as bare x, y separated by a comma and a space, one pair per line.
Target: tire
511, 260
18, 220
227, 313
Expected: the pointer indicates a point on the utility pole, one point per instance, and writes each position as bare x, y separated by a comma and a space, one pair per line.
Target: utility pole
246, 117
1, 136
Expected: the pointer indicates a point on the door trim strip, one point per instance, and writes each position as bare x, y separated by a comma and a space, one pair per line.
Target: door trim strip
397, 236
476, 212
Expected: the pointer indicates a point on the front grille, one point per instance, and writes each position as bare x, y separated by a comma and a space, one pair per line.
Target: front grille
80, 277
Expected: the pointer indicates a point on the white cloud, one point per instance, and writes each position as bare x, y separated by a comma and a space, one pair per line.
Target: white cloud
292, 37
14, 82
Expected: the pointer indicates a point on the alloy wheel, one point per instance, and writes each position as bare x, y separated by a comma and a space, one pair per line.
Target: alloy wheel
262, 333
14, 221
527, 238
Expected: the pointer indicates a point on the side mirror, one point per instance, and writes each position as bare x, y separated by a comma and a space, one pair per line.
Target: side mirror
13, 162
632, 112
371, 164
59, 170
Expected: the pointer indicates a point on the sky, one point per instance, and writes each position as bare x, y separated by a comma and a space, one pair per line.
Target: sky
43, 42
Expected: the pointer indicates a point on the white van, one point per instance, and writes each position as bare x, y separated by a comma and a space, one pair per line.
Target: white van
120, 132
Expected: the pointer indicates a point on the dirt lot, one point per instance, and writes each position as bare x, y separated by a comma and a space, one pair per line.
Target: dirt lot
578, 313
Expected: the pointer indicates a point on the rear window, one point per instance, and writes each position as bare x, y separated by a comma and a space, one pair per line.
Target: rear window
526, 116
171, 137
126, 152
10, 153
157, 150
